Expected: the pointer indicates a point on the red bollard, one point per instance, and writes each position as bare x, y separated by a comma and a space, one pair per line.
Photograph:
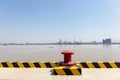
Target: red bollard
67, 58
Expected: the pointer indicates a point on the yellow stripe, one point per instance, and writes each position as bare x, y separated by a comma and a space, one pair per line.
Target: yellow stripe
42, 64
1, 64
75, 71
72, 67
31, 64
112, 63
100, 63
10, 64
59, 71
20, 64
61, 67
90, 65
79, 64
53, 64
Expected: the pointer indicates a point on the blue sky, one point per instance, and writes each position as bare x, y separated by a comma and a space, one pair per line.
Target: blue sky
50, 20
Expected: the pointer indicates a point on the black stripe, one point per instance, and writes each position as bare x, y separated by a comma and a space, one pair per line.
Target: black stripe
48, 64
15, 64
79, 70
96, 65
118, 64
55, 73
84, 65
107, 65
56, 63
37, 65
4, 64
26, 65
67, 71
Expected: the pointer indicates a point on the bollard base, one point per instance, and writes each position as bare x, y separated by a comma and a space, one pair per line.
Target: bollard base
67, 70
67, 64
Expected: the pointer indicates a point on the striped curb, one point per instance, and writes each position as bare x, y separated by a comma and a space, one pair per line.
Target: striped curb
99, 64
87, 64
28, 64
66, 70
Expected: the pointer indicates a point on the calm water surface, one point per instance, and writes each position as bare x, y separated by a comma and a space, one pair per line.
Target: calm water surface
53, 53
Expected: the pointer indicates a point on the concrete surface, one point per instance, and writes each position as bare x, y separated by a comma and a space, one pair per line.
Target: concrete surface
45, 74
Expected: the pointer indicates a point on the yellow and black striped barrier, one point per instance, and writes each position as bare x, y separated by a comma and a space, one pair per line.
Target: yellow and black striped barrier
28, 64
99, 64
67, 70
87, 64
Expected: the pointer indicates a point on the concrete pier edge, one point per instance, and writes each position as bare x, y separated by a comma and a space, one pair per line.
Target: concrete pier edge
52, 64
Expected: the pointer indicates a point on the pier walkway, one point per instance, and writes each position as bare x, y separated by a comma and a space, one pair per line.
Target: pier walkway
45, 74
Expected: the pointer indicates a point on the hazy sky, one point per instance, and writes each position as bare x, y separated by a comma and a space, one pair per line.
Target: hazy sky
50, 20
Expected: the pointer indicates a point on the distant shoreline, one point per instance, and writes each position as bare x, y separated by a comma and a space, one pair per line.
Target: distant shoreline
86, 43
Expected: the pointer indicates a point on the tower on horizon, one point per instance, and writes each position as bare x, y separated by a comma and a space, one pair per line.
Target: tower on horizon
107, 41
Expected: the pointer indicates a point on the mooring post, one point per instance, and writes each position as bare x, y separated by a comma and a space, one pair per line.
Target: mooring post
67, 58
66, 67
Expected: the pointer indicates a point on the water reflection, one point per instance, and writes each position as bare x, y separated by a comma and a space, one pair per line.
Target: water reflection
53, 53
107, 45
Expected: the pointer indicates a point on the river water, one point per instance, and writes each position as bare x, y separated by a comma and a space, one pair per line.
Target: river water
53, 52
